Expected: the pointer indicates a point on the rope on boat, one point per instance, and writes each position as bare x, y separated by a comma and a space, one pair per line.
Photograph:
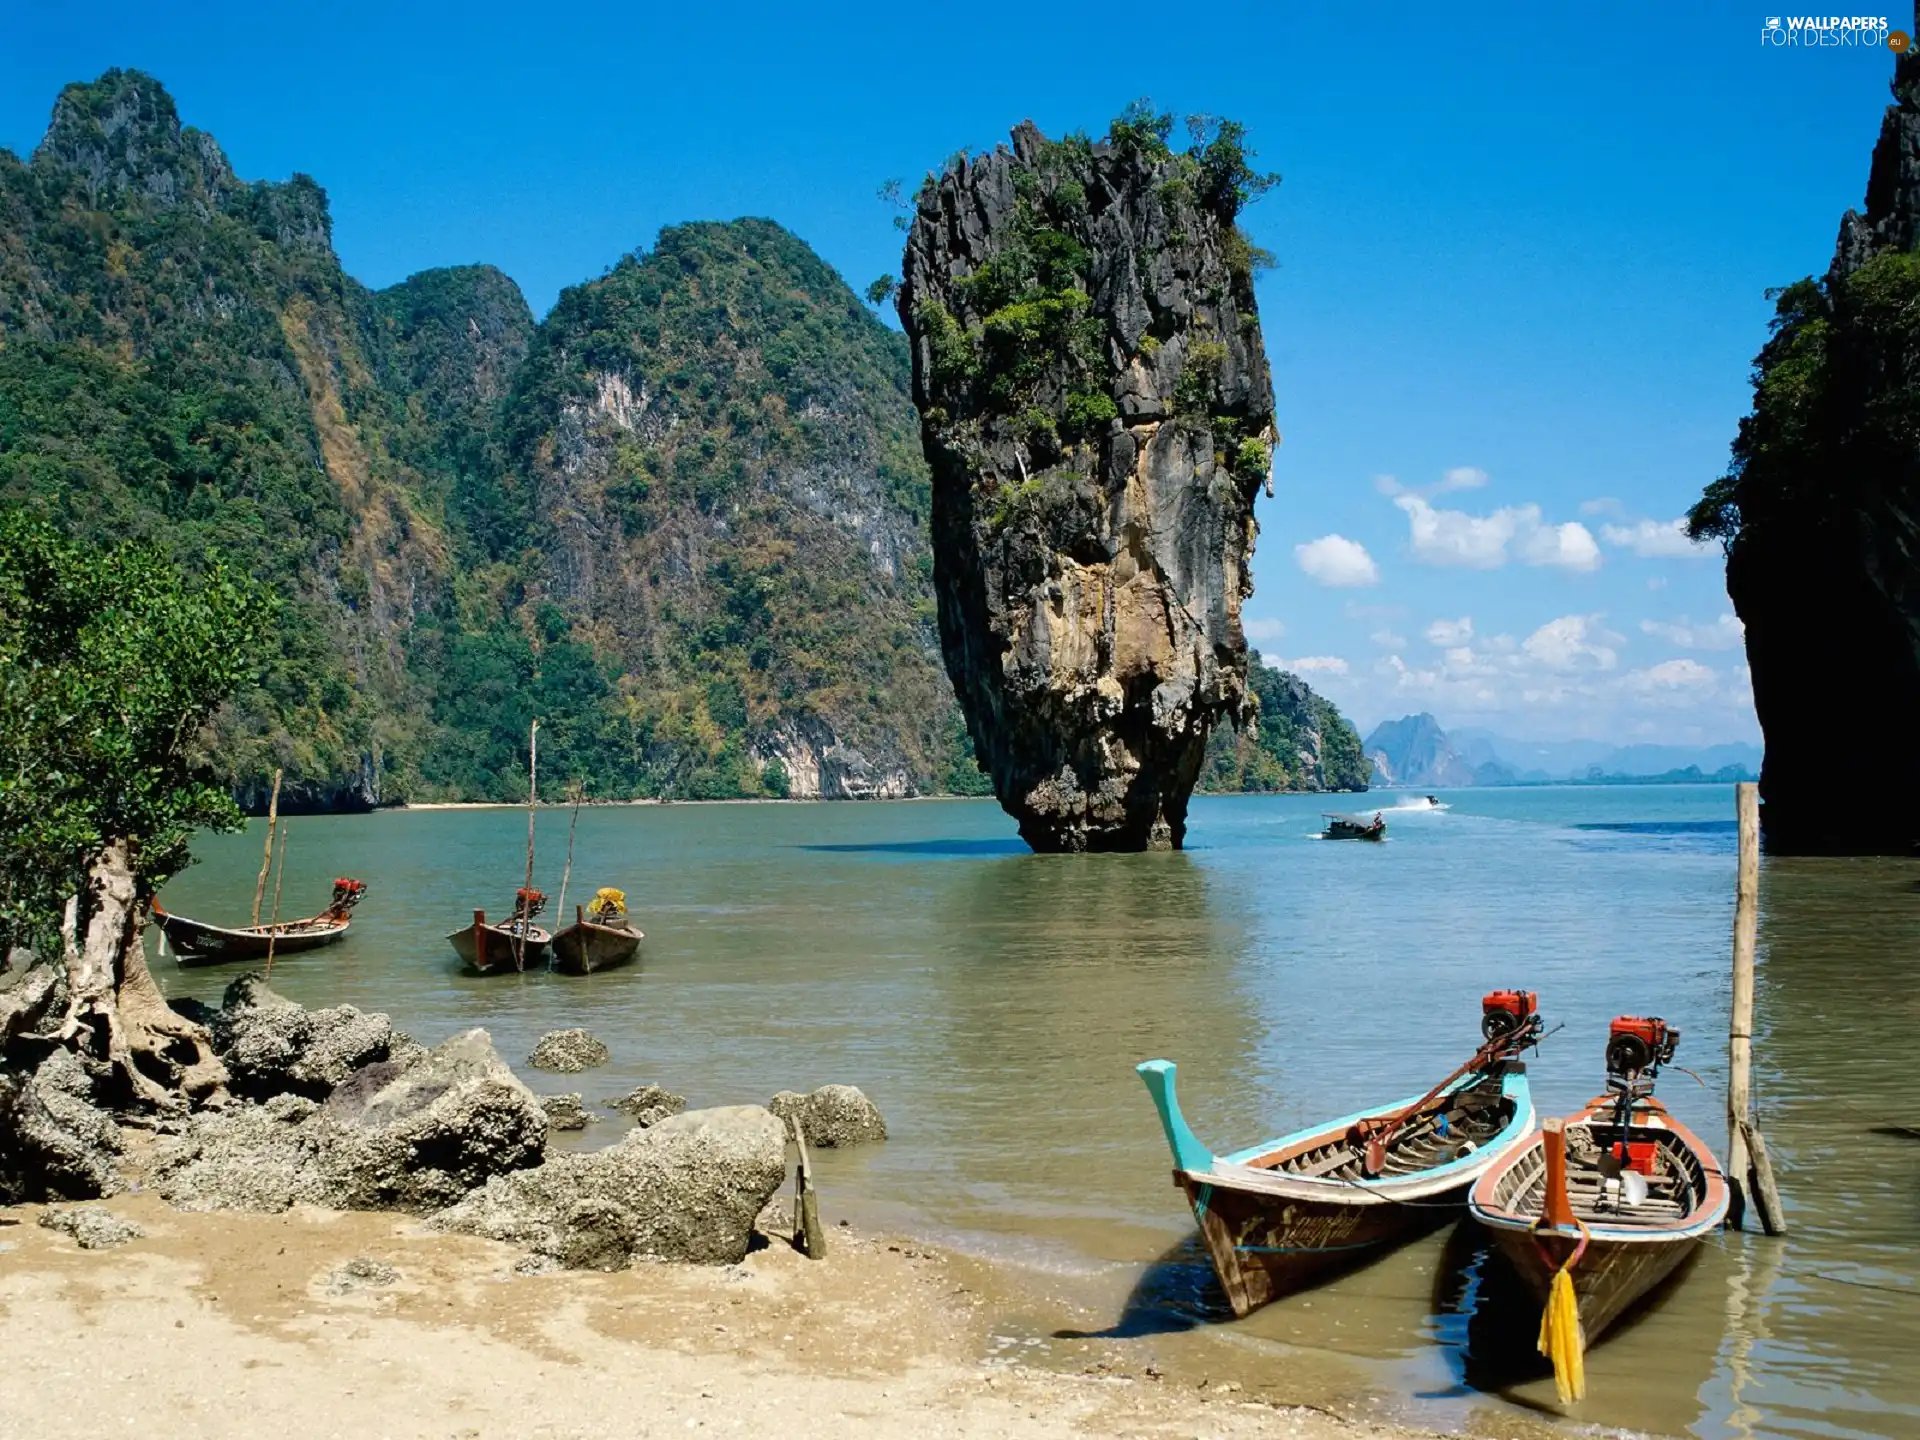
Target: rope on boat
1562, 1339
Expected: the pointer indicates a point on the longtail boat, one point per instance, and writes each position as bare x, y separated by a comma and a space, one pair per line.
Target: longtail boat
194, 942
1285, 1213
1618, 1194
600, 937
505, 947
1352, 827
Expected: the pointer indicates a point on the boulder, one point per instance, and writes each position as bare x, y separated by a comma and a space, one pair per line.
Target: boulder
55, 1143
90, 1229
568, 1052
273, 1046
565, 1112
687, 1188
649, 1105
832, 1117
392, 1137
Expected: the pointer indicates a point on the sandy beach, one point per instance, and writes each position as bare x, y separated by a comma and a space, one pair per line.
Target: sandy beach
241, 1325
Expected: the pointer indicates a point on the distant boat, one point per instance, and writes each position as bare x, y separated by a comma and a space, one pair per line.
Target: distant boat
1283, 1214
194, 942
600, 937
1620, 1193
507, 947
1352, 827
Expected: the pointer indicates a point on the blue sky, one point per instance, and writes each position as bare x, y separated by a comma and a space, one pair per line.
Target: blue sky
1522, 251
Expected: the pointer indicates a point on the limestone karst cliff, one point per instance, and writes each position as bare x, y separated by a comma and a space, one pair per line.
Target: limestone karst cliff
1097, 410
1820, 514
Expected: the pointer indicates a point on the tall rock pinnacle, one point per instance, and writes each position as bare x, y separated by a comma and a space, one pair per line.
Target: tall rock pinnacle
1097, 410
1820, 513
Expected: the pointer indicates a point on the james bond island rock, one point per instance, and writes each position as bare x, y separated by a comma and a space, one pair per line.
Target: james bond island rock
1097, 411
1820, 515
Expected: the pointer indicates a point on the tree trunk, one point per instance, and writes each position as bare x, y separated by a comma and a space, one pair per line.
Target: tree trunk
115, 1012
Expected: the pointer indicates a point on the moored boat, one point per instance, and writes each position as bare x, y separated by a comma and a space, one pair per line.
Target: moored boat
1280, 1215
1618, 1195
1352, 827
505, 947
600, 938
195, 942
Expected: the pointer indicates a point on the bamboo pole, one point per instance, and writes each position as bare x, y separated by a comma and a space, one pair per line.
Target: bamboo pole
266, 855
1748, 1171
279, 875
533, 800
577, 792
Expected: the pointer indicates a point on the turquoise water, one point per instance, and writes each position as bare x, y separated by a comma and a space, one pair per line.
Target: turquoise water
994, 1002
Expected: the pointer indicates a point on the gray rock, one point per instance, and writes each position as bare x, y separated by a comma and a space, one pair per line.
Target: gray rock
393, 1137
90, 1229
565, 1112
568, 1052
691, 1185
55, 1143
362, 1272
1092, 509
832, 1117
649, 1105
272, 1046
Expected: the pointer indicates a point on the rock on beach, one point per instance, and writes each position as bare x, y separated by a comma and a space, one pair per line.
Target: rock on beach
832, 1117
567, 1052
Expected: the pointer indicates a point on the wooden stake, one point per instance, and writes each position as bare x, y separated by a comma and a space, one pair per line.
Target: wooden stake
279, 875
1746, 923
576, 792
266, 855
1766, 1195
808, 1234
533, 799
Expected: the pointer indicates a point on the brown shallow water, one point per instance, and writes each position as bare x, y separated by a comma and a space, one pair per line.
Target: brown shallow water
994, 1002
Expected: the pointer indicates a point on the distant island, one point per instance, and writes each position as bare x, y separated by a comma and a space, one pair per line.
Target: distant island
1415, 751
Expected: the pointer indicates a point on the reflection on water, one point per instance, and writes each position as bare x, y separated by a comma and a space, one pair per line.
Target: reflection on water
995, 1002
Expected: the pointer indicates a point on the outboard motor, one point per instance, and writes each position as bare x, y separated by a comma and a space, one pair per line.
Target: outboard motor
1516, 1013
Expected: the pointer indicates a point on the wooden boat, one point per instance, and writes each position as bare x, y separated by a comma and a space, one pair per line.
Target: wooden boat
507, 947
1280, 1215
194, 942
1352, 827
600, 937
1620, 1190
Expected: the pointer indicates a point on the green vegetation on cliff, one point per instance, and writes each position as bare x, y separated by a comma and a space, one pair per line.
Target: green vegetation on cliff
1297, 741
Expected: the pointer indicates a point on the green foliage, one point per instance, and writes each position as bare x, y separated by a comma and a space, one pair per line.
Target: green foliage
1298, 741
1252, 459
1142, 129
964, 775
111, 664
881, 290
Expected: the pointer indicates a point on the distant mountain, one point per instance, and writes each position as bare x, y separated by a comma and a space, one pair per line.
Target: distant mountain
1415, 750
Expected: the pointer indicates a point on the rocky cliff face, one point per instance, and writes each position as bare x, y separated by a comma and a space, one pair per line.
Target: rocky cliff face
1414, 750
1820, 513
1294, 741
1097, 410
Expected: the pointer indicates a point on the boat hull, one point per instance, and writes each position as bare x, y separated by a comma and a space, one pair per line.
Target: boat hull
584, 947
1264, 1247
489, 949
1271, 1231
196, 943
1627, 1255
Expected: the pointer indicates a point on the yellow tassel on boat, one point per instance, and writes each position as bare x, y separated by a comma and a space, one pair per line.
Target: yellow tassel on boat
609, 901
1562, 1340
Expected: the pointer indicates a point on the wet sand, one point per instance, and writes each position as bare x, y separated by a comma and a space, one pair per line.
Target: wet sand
242, 1325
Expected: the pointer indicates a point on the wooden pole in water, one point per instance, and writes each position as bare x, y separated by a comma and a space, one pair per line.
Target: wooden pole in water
577, 792
279, 875
533, 799
266, 855
1748, 1171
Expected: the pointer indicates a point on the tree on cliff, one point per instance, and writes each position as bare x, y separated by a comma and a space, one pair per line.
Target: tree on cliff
111, 664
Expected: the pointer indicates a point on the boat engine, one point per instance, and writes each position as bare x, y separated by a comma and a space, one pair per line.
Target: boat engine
528, 903
347, 893
1637, 1046
1505, 1013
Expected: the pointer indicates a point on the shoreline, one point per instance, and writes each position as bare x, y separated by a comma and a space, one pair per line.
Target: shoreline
885, 1337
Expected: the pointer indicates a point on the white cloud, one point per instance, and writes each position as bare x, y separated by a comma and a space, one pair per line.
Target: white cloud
1480, 542
1572, 642
1263, 629
1461, 477
1672, 675
1725, 633
1314, 665
1388, 485
1606, 506
1451, 632
1388, 640
1656, 540
1337, 561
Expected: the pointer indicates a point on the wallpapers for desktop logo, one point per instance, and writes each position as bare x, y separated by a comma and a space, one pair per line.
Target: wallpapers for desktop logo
1827, 31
